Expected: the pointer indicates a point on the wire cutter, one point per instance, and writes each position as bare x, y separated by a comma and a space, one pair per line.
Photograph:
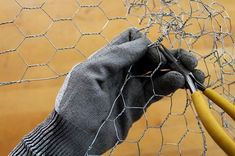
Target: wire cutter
202, 108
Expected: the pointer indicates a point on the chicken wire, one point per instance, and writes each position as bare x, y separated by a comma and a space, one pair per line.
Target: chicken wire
63, 27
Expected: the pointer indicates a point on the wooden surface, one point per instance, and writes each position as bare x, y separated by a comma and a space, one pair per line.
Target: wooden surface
23, 106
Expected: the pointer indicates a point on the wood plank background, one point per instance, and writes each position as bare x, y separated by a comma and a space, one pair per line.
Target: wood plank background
23, 106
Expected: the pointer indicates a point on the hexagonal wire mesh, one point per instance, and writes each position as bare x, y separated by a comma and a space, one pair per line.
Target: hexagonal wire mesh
63, 35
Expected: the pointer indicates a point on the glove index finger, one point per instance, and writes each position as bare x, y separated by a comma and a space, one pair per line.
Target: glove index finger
130, 52
124, 55
116, 58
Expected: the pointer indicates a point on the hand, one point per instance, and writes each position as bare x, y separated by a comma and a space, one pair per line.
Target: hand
95, 107
90, 97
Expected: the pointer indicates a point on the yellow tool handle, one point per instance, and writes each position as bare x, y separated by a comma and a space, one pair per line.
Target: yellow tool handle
211, 125
219, 100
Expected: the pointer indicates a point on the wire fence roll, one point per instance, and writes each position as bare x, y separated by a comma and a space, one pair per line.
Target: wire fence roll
42, 39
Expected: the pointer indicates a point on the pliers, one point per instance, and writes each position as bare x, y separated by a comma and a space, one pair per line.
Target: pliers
202, 108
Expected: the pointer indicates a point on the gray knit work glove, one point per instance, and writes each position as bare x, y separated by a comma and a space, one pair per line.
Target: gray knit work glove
82, 122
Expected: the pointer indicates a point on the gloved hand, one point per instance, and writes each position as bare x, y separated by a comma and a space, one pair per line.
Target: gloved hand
89, 116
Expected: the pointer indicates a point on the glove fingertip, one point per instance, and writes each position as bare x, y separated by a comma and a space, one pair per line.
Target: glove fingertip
189, 61
169, 82
186, 58
199, 75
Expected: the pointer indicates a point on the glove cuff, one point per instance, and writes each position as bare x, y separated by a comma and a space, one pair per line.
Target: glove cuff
54, 136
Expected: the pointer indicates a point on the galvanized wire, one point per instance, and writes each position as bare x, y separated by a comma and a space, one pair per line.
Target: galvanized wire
202, 27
